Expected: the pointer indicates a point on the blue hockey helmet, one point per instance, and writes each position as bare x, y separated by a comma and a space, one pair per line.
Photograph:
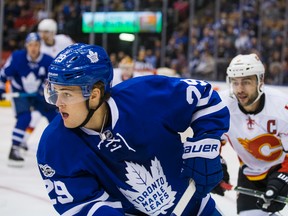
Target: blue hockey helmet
33, 36
81, 65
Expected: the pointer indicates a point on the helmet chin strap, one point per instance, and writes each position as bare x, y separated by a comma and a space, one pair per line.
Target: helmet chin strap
260, 91
258, 97
91, 111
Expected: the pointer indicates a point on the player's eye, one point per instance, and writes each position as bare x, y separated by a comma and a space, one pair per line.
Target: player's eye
67, 94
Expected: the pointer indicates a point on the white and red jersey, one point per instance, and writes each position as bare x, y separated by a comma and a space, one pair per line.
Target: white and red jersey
61, 41
261, 139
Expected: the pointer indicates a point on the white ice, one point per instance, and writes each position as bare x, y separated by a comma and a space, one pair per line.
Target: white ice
22, 191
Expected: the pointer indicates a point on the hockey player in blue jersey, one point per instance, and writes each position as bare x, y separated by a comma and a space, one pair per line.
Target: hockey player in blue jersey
27, 71
118, 151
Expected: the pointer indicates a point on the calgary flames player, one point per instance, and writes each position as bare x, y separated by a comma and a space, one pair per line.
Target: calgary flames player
259, 135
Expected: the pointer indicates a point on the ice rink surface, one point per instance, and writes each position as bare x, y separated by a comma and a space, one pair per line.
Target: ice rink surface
22, 191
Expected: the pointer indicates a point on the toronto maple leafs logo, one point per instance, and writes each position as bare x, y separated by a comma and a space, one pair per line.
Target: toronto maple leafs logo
93, 56
152, 194
46, 170
31, 83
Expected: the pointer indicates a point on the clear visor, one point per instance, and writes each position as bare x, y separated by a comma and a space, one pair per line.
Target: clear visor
63, 95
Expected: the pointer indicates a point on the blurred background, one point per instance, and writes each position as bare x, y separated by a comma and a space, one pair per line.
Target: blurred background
196, 38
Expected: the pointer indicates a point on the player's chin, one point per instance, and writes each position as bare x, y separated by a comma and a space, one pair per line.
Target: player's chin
67, 121
242, 100
69, 124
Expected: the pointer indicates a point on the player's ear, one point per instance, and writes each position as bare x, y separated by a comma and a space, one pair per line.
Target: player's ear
261, 81
95, 97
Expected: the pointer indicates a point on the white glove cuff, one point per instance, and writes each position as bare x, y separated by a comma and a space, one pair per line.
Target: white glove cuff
205, 148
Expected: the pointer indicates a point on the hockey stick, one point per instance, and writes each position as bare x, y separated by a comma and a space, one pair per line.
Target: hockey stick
251, 192
260, 194
186, 197
8, 96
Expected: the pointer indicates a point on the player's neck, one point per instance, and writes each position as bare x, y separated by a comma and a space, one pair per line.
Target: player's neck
99, 119
251, 108
34, 57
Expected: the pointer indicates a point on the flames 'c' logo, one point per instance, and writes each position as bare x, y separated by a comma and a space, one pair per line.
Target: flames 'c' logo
265, 147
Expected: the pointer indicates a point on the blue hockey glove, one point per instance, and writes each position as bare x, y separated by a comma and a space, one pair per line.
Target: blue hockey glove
219, 189
206, 173
277, 185
1, 94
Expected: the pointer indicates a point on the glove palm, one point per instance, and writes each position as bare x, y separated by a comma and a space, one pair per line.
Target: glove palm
1, 94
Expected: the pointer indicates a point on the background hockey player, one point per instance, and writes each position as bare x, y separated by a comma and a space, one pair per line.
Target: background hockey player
52, 43
116, 151
27, 70
258, 134
124, 71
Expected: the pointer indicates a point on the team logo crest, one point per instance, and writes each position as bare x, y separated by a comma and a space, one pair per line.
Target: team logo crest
265, 147
151, 193
93, 56
250, 123
46, 170
31, 83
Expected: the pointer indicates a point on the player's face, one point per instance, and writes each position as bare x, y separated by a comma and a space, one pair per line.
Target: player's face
47, 37
71, 104
127, 72
245, 89
33, 49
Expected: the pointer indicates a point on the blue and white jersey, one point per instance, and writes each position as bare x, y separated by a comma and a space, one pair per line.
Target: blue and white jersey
134, 166
26, 76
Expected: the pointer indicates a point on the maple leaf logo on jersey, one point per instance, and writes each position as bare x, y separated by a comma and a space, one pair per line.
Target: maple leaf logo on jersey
93, 56
152, 194
31, 83
46, 170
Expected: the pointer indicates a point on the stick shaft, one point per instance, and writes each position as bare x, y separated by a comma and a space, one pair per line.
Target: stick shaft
259, 194
184, 200
18, 94
251, 192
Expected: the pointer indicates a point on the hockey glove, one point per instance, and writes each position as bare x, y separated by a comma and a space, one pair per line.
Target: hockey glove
277, 185
2, 94
219, 189
206, 173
